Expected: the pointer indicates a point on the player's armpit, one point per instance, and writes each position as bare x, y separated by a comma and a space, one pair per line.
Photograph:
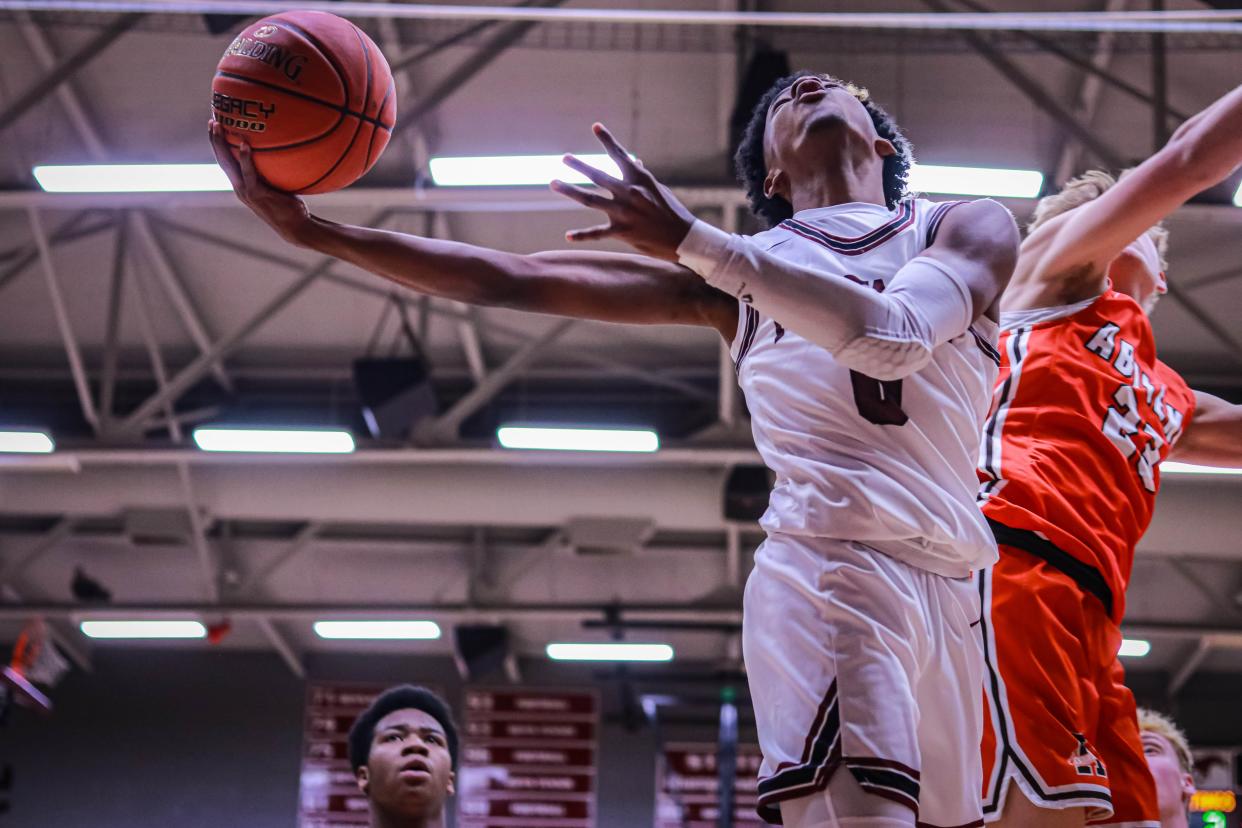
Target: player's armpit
978, 242
1214, 435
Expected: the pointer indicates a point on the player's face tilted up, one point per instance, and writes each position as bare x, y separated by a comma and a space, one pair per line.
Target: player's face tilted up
403, 750
864, 350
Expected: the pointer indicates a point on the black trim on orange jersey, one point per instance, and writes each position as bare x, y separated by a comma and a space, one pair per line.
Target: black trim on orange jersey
1085, 575
991, 688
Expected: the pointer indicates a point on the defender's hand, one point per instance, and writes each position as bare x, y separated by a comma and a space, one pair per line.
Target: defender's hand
642, 212
283, 212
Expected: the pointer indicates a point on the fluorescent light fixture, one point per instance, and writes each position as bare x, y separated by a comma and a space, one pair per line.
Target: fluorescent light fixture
26, 442
513, 170
143, 628
1237, 197
390, 630
1134, 648
1173, 467
977, 181
610, 651
279, 440
131, 178
578, 439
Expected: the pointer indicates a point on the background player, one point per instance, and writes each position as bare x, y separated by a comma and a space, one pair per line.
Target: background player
403, 749
1171, 765
1083, 414
863, 342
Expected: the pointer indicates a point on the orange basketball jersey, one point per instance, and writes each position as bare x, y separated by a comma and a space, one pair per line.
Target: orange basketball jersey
1082, 416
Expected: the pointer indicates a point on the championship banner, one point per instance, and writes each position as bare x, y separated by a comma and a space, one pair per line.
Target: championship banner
687, 786
328, 796
528, 759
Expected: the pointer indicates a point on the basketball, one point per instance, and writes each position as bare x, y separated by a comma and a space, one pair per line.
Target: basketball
313, 96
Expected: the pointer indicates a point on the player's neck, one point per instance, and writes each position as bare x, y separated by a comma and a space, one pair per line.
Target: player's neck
1177, 821
380, 819
829, 187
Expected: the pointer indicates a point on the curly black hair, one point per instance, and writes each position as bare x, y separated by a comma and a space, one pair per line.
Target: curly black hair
402, 697
752, 169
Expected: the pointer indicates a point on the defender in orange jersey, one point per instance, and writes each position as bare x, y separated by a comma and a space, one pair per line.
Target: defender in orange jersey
1083, 414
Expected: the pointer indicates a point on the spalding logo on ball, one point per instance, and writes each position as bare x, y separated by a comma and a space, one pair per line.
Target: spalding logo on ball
311, 94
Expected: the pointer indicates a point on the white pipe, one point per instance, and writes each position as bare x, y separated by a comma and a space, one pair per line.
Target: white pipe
1200, 21
75, 460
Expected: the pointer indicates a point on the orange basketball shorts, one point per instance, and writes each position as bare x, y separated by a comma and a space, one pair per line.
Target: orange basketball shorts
1059, 722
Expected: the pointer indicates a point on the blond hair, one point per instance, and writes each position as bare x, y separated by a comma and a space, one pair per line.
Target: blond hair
1152, 722
1088, 187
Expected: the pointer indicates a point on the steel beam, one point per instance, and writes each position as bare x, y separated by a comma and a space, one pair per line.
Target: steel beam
89, 134
301, 612
70, 230
444, 429
1088, 66
1189, 20
1202, 649
46, 543
1036, 93
62, 321
112, 346
68, 98
176, 292
300, 543
281, 645
398, 199
384, 293
460, 75
197, 369
1159, 86
1222, 334
198, 531
67, 68
1088, 95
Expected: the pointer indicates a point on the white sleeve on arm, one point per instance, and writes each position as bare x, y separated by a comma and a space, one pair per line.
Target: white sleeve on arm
885, 335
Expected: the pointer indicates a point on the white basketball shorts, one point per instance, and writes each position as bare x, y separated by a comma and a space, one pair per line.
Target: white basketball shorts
856, 659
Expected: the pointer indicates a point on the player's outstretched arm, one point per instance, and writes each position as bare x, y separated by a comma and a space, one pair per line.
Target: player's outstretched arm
609, 287
1214, 435
1065, 259
931, 300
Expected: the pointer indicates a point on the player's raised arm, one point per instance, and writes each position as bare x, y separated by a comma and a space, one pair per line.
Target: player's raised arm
1066, 259
609, 287
932, 299
1214, 434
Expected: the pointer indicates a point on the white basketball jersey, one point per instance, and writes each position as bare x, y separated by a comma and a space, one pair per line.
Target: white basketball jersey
889, 464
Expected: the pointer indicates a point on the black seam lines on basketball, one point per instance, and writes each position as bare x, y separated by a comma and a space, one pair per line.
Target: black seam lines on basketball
366, 96
340, 72
374, 132
344, 110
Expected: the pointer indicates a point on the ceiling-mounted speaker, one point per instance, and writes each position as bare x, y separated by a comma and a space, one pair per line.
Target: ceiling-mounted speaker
765, 68
395, 393
480, 649
746, 493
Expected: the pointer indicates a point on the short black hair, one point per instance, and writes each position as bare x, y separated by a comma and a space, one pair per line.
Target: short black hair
752, 169
402, 697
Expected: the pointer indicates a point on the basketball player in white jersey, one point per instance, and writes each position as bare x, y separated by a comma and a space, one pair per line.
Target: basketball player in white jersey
862, 325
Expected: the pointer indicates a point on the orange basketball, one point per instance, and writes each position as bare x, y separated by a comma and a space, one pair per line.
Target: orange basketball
313, 96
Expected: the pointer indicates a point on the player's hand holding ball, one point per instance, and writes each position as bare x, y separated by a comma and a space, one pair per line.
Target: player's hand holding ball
302, 102
283, 212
